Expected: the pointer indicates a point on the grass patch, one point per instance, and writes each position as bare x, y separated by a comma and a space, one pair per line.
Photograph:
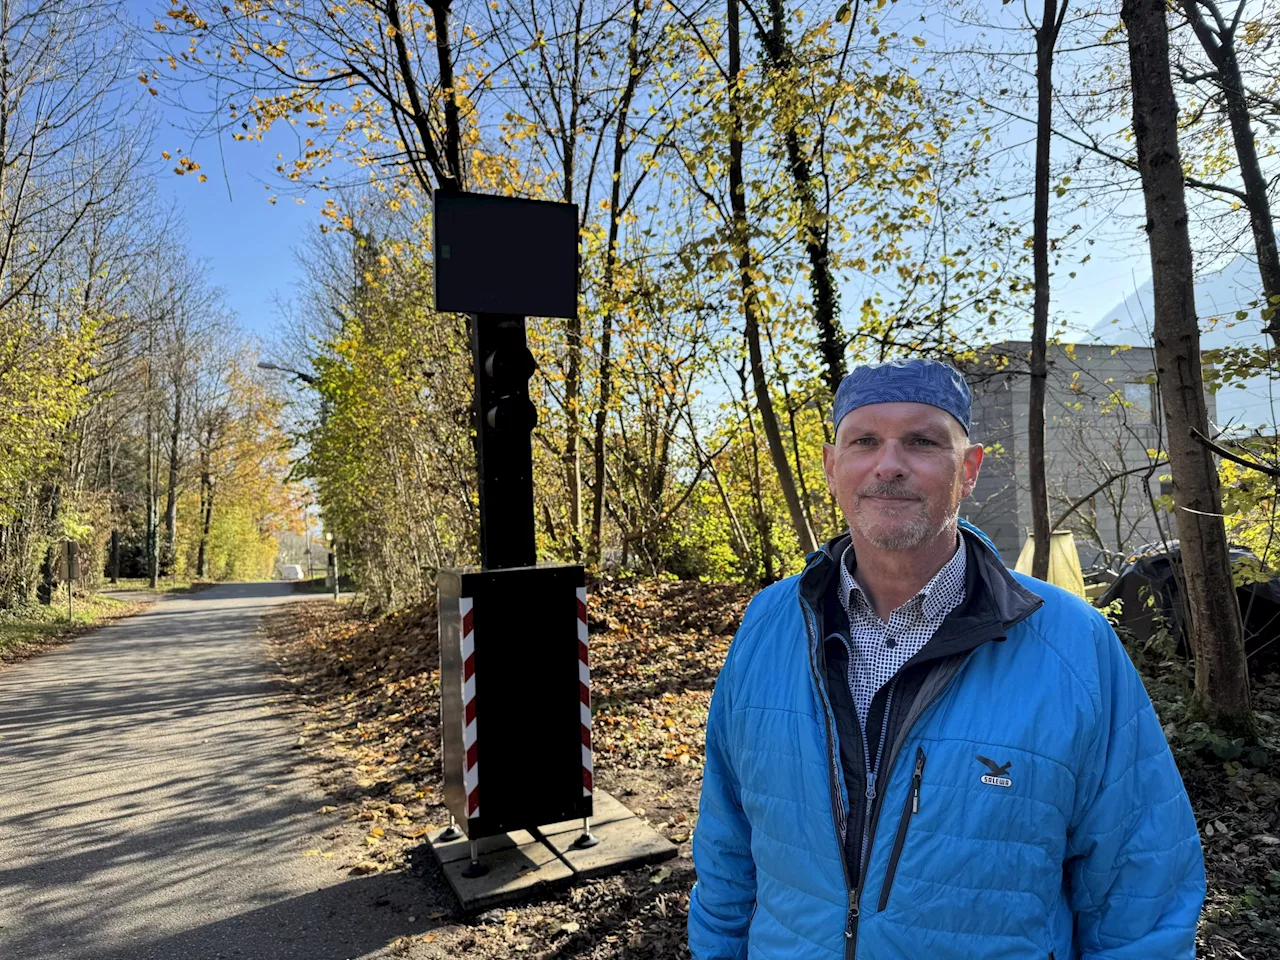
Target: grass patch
143, 585
28, 630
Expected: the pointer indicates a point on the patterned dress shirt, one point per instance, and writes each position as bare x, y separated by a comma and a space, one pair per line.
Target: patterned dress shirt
877, 650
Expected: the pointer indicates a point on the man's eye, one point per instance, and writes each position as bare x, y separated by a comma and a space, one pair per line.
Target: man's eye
924, 442
864, 441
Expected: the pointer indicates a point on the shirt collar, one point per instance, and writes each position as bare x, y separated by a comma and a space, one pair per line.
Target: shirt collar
936, 597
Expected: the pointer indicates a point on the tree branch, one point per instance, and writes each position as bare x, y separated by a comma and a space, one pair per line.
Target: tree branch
1148, 469
1226, 454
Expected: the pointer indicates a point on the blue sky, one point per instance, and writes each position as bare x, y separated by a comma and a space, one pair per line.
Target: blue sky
247, 242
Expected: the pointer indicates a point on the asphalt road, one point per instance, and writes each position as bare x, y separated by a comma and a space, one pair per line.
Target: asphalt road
149, 808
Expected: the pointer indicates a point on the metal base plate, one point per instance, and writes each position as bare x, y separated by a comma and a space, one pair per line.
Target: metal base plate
525, 863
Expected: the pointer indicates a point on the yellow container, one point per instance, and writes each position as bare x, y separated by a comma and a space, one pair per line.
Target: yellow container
1064, 561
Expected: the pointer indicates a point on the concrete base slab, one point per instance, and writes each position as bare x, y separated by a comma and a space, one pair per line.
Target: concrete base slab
451, 850
606, 809
624, 844
525, 863
516, 870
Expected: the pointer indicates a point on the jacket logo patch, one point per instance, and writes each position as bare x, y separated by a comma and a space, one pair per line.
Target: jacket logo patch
996, 777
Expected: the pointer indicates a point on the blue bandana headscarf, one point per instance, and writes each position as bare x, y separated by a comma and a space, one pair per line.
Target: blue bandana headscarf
905, 381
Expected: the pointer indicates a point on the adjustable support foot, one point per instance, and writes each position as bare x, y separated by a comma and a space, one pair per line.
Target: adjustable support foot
475, 868
588, 839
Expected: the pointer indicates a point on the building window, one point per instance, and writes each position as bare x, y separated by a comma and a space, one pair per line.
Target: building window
1137, 398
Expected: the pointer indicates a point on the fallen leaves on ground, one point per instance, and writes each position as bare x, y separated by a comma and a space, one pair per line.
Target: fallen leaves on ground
1237, 805
370, 692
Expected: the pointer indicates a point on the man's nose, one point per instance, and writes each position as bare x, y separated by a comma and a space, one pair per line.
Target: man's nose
891, 465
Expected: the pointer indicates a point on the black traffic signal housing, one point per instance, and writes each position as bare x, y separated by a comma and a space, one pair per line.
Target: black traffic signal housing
503, 366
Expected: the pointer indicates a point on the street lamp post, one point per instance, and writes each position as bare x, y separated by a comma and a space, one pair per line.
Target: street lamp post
333, 561
306, 533
304, 377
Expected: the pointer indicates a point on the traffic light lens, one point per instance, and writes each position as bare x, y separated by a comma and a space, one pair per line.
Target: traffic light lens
512, 413
510, 363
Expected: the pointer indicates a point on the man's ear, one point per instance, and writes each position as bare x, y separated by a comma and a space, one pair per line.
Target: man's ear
972, 465
829, 465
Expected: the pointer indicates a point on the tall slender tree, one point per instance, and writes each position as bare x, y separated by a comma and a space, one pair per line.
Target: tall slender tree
814, 226
1046, 40
751, 305
1214, 628
617, 210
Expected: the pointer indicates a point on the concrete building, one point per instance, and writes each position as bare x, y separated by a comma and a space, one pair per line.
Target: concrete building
1103, 428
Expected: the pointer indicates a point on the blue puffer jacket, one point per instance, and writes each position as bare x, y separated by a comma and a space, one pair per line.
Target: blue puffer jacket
1028, 805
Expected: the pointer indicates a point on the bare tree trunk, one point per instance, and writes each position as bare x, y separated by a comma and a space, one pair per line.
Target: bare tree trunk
573, 328
826, 299
1046, 39
5, 211
573, 432
153, 468
153, 503
171, 503
446, 169
1214, 628
750, 299
1219, 43
610, 261
206, 512
763, 527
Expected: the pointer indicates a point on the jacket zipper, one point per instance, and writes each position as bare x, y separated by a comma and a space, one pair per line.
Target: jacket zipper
837, 801
855, 895
851, 931
910, 807
871, 771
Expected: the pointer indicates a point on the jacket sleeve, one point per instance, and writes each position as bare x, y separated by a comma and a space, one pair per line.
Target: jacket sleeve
723, 899
1134, 862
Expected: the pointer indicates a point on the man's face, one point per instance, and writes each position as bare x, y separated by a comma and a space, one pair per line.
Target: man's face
899, 472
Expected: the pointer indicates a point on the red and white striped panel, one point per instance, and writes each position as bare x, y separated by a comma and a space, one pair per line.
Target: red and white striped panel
584, 691
470, 766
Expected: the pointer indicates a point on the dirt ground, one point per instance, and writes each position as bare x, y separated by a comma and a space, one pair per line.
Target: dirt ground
366, 695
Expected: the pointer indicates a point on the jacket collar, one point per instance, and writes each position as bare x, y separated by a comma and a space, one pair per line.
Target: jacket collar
994, 601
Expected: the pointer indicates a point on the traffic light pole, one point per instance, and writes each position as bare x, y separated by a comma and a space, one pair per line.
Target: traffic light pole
505, 421
514, 646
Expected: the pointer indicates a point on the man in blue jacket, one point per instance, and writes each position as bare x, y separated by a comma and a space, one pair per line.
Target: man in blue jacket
914, 753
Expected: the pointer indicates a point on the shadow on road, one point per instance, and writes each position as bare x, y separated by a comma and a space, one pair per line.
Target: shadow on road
352, 919
150, 806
